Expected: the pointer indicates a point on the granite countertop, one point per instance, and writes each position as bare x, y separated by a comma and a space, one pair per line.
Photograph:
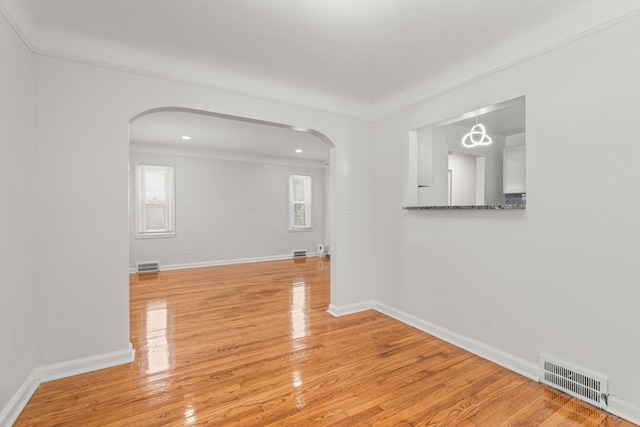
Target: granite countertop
470, 207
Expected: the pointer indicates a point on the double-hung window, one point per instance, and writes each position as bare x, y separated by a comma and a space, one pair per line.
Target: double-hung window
299, 202
155, 202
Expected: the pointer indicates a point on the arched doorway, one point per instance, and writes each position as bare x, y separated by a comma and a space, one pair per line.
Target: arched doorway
250, 157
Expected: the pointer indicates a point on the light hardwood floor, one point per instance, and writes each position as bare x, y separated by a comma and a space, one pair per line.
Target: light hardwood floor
253, 345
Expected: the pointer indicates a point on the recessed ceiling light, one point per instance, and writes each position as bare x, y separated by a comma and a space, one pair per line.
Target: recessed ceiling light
298, 150
186, 137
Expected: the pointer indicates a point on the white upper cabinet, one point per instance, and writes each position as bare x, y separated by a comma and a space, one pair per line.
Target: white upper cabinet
514, 170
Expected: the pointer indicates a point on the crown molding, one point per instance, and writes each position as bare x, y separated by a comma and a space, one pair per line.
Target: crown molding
16, 28
390, 111
373, 112
355, 112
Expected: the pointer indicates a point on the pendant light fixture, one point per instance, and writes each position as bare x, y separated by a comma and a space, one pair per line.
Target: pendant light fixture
476, 136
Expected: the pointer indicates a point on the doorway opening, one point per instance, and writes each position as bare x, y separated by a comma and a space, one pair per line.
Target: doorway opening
466, 179
231, 188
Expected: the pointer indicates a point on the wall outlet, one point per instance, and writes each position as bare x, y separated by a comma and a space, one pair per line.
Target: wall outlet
320, 248
186, 254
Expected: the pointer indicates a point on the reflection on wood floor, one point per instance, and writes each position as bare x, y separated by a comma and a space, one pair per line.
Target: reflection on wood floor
253, 345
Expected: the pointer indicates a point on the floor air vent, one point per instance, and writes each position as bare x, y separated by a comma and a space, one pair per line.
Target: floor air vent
300, 253
147, 266
577, 382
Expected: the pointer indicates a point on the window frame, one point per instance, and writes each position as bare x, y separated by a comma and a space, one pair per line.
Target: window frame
308, 202
140, 202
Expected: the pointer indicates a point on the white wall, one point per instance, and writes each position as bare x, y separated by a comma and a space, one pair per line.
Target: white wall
229, 210
561, 276
515, 140
18, 334
327, 207
82, 120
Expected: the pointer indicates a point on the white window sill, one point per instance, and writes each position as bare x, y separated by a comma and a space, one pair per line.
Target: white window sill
298, 229
154, 235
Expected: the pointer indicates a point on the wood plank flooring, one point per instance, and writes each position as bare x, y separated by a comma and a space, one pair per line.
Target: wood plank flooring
253, 345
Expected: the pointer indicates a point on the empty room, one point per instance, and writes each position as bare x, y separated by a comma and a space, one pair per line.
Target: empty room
319, 212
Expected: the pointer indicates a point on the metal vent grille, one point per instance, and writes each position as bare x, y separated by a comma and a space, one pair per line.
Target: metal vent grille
577, 382
300, 253
147, 266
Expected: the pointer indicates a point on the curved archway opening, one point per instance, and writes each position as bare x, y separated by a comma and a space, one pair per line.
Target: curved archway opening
231, 179
247, 120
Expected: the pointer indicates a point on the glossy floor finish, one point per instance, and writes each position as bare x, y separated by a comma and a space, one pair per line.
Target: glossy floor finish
253, 345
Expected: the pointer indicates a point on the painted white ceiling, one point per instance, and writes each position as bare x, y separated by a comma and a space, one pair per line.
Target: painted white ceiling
363, 58
358, 49
226, 138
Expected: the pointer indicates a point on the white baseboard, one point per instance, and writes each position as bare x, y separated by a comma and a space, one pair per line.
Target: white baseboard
344, 310
224, 262
624, 409
85, 364
619, 407
513, 363
16, 404
521, 366
42, 374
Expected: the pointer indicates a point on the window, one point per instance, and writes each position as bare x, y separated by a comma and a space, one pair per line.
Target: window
155, 209
299, 202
